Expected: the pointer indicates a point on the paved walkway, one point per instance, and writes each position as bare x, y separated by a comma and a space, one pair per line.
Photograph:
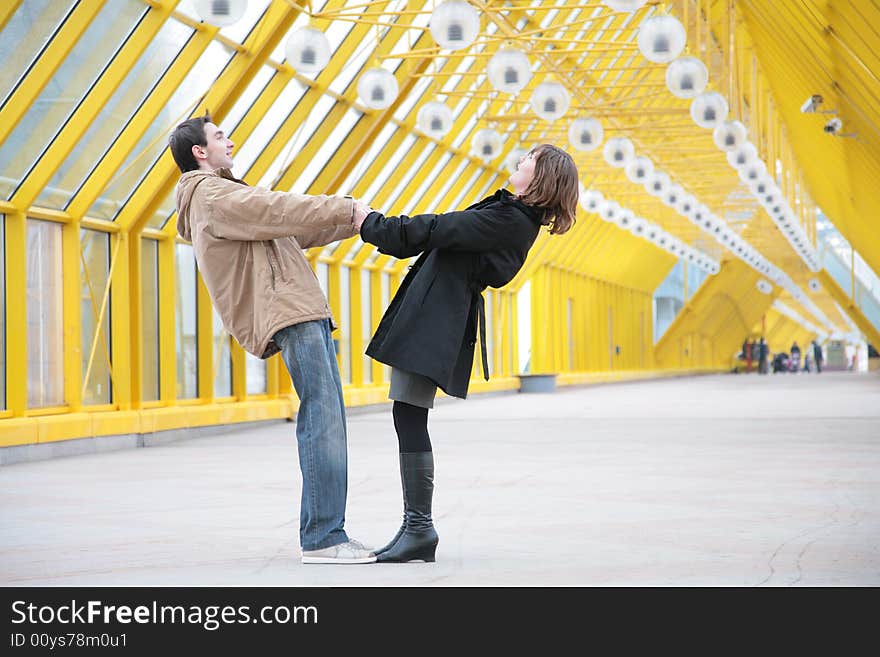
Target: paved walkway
734, 480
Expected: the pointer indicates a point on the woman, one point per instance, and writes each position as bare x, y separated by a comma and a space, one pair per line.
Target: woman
429, 331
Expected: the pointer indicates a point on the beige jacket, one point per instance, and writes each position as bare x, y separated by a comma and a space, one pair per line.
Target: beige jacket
248, 243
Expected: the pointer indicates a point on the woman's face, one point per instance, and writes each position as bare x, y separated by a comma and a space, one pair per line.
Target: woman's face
524, 174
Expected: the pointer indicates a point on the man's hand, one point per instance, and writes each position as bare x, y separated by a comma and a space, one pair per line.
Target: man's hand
361, 210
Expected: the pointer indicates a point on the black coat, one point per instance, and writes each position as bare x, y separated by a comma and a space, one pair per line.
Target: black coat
430, 326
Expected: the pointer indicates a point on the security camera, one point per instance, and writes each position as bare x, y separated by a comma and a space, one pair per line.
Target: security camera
833, 126
811, 104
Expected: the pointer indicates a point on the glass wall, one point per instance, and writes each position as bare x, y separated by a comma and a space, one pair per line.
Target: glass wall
255, 373
150, 318
45, 316
94, 278
185, 323
2, 311
222, 358
344, 324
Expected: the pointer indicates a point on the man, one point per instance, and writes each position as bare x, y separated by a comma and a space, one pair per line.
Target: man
817, 356
248, 243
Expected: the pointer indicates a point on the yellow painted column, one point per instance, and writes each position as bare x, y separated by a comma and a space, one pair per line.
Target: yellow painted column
16, 313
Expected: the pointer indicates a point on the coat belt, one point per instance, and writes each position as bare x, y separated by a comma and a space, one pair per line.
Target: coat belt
481, 320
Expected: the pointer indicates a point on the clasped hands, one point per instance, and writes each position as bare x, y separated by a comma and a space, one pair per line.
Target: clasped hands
361, 210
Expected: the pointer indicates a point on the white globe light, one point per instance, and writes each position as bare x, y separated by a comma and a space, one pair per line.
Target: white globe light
618, 151
715, 268
759, 186
764, 286
742, 156
454, 24
638, 226
585, 134
709, 109
377, 88
730, 135
686, 205
687, 77
220, 12
652, 232
639, 169
625, 218
661, 38
657, 183
673, 195
307, 50
609, 210
509, 71
753, 173
486, 144
434, 119
550, 100
513, 158
624, 5
591, 200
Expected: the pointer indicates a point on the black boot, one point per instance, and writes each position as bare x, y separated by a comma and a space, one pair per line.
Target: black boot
402, 524
418, 540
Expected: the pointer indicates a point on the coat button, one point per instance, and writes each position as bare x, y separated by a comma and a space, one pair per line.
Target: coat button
472, 343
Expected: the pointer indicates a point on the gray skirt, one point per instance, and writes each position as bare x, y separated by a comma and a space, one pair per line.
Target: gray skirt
413, 389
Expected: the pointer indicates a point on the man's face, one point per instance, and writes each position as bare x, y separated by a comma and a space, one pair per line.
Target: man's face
218, 151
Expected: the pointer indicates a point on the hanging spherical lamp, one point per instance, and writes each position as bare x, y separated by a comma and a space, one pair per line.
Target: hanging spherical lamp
672, 196
585, 134
591, 200
513, 158
686, 205
661, 38
550, 100
377, 88
486, 144
652, 231
220, 12
509, 71
624, 5
753, 172
609, 210
434, 119
743, 155
454, 24
730, 135
639, 169
625, 218
618, 151
637, 226
307, 50
686, 77
657, 183
709, 109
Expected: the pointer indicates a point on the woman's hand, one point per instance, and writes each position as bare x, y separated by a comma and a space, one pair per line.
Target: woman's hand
361, 210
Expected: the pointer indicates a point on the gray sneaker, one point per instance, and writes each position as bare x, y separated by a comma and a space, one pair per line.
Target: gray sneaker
349, 552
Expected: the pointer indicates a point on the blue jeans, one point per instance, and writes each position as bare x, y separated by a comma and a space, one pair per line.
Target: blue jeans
307, 351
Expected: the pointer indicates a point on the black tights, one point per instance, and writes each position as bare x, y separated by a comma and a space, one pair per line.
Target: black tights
411, 424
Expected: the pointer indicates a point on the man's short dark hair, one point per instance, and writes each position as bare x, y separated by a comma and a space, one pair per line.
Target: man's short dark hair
188, 134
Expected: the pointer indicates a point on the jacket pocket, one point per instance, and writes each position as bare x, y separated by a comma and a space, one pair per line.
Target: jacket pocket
274, 266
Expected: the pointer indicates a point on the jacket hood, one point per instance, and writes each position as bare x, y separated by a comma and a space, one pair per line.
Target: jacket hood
186, 187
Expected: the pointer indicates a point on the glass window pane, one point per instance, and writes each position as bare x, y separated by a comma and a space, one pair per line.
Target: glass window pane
150, 318
141, 81
67, 88
25, 35
376, 147
366, 322
255, 374
2, 311
344, 331
94, 277
391, 168
185, 324
45, 317
404, 183
155, 139
222, 358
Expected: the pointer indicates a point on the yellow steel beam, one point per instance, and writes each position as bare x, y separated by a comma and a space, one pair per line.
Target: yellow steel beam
845, 301
109, 165
65, 38
7, 10
262, 41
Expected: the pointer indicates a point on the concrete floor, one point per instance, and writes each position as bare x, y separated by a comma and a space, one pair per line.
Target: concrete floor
733, 480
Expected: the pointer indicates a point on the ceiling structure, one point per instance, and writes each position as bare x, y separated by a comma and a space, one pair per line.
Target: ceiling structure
92, 88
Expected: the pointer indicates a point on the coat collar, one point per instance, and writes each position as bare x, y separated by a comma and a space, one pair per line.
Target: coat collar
506, 197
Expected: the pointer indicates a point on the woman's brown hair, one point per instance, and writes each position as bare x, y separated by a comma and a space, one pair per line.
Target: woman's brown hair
554, 189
